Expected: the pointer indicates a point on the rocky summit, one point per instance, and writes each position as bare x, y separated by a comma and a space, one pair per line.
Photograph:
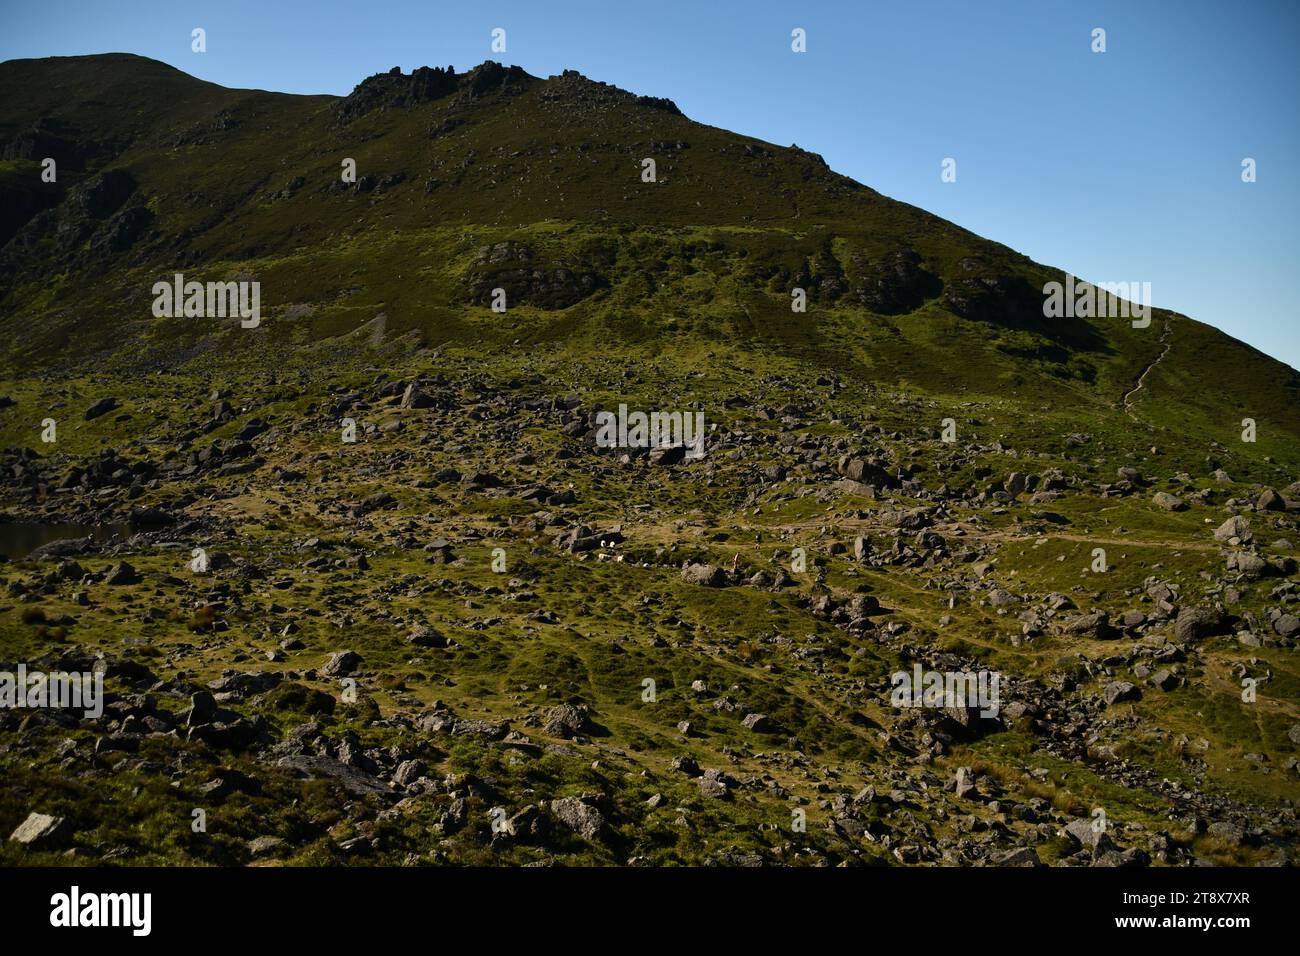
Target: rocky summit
376, 563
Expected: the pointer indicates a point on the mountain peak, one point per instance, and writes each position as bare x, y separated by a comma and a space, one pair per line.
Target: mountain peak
399, 90
577, 87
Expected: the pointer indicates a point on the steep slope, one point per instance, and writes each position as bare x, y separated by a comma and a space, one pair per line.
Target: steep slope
548, 173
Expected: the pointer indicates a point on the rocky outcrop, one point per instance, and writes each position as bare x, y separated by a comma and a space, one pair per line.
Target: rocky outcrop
398, 90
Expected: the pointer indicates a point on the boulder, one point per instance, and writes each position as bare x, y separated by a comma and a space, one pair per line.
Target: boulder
122, 573
566, 721
1248, 564
705, 575
1087, 834
1020, 856
582, 819
667, 456
713, 786
867, 473
1119, 691
1096, 625
352, 780
965, 782
414, 398
1235, 530
1270, 500
1194, 623
101, 407
426, 637
1164, 679
42, 832
341, 664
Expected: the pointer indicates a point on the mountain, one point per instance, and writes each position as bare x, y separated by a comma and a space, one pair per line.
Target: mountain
918, 470
219, 181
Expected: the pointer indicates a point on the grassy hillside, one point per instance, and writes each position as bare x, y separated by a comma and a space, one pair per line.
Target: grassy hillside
521, 688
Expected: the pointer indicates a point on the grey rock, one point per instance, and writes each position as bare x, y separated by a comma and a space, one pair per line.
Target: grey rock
1088, 835
965, 781
414, 398
1249, 564
352, 779
409, 771
260, 846
582, 819
1270, 500
101, 407
712, 787
203, 709
341, 664
1164, 679
122, 574
566, 721
666, 456
1236, 527
705, 575
1194, 623
1020, 856
1096, 624
426, 637
1231, 833
685, 764
41, 831
1118, 691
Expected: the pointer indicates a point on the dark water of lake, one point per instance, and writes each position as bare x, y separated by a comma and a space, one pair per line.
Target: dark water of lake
21, 538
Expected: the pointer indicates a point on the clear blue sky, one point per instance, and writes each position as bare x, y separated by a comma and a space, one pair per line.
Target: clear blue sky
1120, 166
